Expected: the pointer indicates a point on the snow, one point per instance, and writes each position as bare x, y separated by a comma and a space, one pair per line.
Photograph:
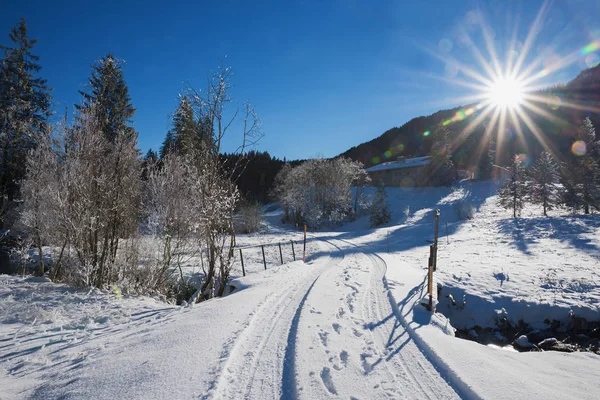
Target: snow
398, 164
346, 324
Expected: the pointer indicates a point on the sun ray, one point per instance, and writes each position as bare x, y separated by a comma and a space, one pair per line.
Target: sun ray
543, 113
531, 36
489, 44
562, 103
478, 55
537, 132
464, 134
462, 67
517, 125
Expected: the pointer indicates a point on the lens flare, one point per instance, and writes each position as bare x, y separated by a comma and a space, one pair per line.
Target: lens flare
387, 153
524, 159
579, 148
590, 48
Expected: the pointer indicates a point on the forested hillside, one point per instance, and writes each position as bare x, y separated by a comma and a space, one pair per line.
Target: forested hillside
559, 111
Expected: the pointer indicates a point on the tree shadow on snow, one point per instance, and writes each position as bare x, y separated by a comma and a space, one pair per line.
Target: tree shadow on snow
419, 231
526, 232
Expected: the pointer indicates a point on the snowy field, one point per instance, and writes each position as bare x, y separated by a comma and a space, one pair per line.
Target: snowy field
346, 324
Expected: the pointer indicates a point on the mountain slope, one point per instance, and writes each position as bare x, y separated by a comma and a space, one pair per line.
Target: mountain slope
567, 105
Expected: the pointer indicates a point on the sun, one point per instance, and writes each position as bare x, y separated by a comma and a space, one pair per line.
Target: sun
505, 93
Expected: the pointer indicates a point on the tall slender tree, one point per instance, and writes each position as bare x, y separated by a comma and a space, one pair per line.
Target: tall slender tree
24, 110
544, 174
109, 95
513, 191
581, 171
168, 145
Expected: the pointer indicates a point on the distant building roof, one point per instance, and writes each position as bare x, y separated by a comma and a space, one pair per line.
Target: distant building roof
408, 163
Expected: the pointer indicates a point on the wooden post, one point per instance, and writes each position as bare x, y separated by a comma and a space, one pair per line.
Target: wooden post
242, 260
430, 287
280, 253
304, 254
262, 247
293, 251
436, 216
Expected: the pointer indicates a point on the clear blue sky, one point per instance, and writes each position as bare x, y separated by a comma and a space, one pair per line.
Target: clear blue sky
323, 75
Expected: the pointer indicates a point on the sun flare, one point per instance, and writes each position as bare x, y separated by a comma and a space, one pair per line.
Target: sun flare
506, 93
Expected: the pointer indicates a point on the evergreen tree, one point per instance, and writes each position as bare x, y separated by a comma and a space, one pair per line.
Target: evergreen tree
441, 168
581, 171
380, 214
513, 191
186, 132
168, 145
110, 97
24, 110
149, 161
544, 174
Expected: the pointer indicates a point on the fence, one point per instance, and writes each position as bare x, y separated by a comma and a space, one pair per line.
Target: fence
288, 246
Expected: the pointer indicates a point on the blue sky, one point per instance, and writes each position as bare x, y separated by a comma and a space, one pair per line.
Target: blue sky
322, 75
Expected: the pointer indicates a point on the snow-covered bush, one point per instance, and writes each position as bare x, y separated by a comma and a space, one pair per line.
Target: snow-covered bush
319, 190
250, 218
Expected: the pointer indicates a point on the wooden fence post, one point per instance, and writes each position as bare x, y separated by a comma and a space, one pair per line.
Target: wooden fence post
242, 260
262, 247
293, 251
304, 254
280, 253
429, 305
436, 216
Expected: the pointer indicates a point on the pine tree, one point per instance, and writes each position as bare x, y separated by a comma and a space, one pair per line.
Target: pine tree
544, 174
441, 168
380, 213
581, 172
186, 132
168, 145
24, 110
513, 191
110, 97
149, 161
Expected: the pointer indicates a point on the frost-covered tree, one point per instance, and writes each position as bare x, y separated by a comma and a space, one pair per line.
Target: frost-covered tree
24, 110
109, 97
380, 214
512, 193
441, 170
544, 176
319, 190
580, 173
82, 194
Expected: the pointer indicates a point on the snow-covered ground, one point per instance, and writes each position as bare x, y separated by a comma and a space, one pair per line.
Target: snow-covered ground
346, 324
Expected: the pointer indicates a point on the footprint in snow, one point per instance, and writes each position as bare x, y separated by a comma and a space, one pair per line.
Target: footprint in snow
336, 327
327, 381
323, 337
356, 333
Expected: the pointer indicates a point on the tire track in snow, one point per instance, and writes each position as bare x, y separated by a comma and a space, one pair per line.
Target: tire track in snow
412, 372
257, 366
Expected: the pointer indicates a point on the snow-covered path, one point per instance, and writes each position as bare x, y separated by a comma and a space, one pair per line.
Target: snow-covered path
350, 342
308, 331
332, 332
